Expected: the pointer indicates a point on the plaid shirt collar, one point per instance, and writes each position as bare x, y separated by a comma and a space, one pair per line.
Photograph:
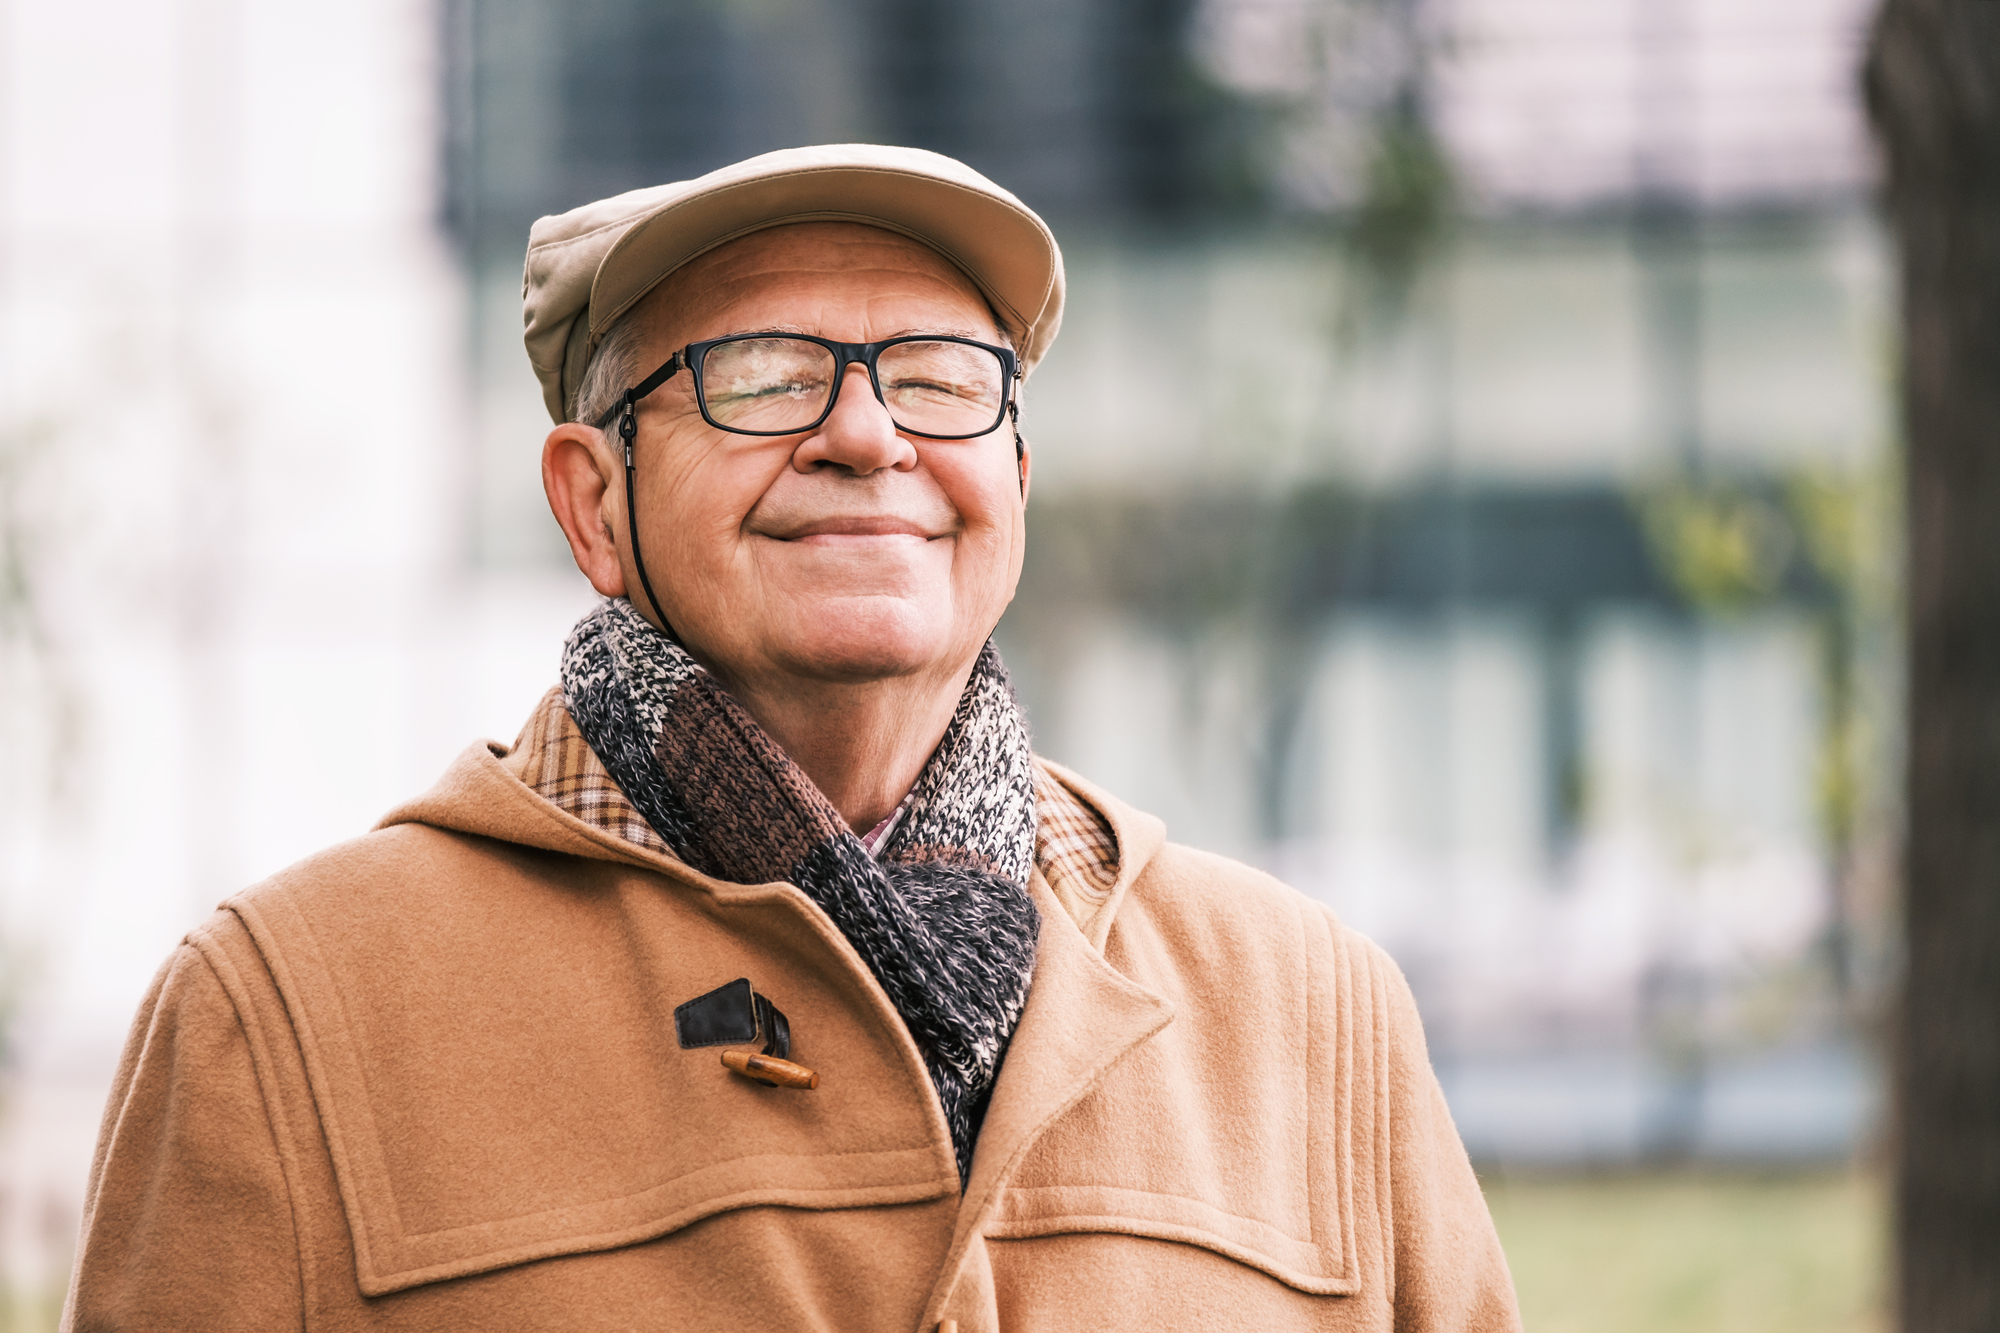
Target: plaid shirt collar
1074, 845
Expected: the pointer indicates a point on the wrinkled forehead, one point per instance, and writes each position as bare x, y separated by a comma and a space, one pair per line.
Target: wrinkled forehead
787, 274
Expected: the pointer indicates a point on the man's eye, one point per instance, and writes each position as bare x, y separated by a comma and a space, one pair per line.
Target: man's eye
937, 388
792, 388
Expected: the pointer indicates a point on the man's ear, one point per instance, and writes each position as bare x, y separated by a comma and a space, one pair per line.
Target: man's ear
579, 473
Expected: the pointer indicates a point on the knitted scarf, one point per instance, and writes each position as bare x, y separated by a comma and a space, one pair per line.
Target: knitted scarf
940, 913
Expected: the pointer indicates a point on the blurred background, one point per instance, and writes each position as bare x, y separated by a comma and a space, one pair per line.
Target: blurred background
1465, 486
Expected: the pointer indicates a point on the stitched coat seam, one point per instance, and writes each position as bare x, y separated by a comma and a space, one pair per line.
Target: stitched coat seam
261, 1064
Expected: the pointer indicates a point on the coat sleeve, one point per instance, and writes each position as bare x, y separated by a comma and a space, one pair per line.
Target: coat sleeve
1448, 1271
187, 1222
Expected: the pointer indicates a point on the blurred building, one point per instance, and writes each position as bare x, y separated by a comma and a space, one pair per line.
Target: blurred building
1461, 486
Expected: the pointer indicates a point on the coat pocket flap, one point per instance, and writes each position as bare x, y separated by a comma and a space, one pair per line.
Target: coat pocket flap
396, 1261
1072, 1209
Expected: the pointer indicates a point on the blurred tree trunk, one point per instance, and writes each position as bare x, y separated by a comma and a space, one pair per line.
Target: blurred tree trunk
1933, 82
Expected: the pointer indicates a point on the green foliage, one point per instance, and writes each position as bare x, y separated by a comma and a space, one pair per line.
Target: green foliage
20, 449
1830, 538
1849, 528
1693, 1253
1848, 524
40, 717
1405, 208
1723, 546
32, 1309
33, 683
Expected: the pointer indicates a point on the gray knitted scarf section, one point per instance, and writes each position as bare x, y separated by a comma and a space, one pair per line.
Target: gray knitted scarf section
941, 913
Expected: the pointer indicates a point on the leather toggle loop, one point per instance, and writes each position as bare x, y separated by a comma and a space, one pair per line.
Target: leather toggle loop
734, 1013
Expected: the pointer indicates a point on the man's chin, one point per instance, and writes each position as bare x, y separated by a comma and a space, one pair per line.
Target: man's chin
866, 638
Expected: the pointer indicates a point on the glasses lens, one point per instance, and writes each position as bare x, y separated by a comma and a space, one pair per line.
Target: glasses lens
942, 388
766, 384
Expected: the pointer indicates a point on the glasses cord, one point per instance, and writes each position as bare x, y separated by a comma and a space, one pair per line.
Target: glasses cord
628, 427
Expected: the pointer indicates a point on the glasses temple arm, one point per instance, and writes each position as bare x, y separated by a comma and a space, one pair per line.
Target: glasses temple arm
641, 389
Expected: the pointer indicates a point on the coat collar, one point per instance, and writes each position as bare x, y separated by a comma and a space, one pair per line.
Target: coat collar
1140, 837
480, 795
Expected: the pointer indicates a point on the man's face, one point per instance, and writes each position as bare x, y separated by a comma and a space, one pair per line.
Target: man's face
846, 553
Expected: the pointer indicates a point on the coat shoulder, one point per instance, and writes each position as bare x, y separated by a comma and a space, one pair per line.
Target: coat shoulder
404, 858
370, 888
1195, 893
1198, 878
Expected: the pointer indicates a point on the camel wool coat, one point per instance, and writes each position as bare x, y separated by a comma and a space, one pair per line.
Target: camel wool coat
429, 1080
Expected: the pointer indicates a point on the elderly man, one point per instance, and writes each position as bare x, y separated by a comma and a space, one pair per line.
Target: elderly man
769, 980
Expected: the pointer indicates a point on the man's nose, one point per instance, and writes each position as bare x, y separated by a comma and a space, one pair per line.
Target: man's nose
858, 436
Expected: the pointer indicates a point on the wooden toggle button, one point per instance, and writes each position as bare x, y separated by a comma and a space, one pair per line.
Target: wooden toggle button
947, 1326
770, 1070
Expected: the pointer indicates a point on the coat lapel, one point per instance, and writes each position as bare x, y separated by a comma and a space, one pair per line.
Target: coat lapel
1082, 1017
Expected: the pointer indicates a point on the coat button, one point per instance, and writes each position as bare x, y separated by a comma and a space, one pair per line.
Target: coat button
770, 1070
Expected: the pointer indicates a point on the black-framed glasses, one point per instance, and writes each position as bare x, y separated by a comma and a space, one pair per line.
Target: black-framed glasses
936, 386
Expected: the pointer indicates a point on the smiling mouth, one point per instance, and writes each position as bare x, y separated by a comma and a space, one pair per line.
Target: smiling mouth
845, 538
843, 531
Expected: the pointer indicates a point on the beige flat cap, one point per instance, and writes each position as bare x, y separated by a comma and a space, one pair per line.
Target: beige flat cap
588, 266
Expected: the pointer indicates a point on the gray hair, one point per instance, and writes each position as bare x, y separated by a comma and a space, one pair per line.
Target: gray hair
613, 368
